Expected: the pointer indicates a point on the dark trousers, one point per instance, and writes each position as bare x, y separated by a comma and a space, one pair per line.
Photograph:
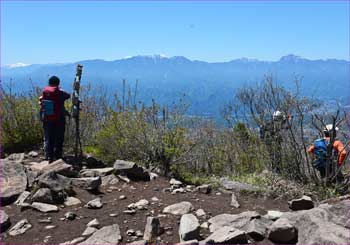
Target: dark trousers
54, 137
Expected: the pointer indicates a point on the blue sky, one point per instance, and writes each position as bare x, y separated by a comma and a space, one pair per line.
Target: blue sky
50, 32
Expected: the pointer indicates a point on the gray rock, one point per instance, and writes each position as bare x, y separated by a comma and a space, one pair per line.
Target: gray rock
205, 225
234, 202
153, 176
124, 178
94, 204
131, 211
191, 242
180, 208
96, 172
50, 227
43, 207
130, 232
227, 235
20, 228
13, 181
89, 230
257, 228
89, 183
33, 154
108, 235
302, 203
74, 241
238, 221
72, 201
122, 197
70, 216
38, 167
152, 228
189, 228
282, 231
325, 224
55, 182
16, 157
59, 167
178, 190
93, 223
140, 242
273, 214
23, 198
109, 180
200, 213
141, 205
131, 170
175, 182
4, 221
31, 176
205, 189
236, 186
47, 220
43, 195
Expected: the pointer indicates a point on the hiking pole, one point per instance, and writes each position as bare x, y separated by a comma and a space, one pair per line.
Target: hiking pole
75, 113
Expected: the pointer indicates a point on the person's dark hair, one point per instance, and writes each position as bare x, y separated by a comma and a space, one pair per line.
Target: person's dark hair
55, 81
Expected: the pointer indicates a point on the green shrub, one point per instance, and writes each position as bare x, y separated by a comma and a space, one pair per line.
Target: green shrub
21, 127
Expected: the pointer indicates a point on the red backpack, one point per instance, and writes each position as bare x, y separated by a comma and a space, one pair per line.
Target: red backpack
50, 106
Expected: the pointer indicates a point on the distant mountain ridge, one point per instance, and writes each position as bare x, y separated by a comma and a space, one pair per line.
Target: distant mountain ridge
208, 85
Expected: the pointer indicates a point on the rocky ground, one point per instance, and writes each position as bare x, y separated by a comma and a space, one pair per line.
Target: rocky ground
52, 204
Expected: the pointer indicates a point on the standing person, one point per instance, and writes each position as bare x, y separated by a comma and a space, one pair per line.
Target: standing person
53, 117
271, 133
319, 151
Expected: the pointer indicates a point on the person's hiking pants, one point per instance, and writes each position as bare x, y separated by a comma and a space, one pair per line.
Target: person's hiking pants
54, 138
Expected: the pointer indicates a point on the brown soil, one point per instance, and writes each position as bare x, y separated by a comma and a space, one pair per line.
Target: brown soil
67, 230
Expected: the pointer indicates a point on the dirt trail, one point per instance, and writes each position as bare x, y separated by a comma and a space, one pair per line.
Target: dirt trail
66, 230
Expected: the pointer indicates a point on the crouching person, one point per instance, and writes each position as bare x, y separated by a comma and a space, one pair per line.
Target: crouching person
319, 154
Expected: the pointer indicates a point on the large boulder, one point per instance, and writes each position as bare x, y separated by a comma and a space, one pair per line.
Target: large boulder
227, 235
180, 208
257, 228
109, 180
16, 157
152, 228
282, 231
38, 167
325, 224
43, 207
238, 221
60, 167
20, 228
236, 186
131, 170
96, 172
23, 198
303, 203
4, 221
13, 181
55, 182
43, 195
89, 183
108, 235
189, 227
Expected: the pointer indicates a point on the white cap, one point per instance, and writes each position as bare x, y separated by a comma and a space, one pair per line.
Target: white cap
277, 115
329, 127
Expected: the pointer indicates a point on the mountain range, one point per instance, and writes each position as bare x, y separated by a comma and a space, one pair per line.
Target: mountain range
208, 86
